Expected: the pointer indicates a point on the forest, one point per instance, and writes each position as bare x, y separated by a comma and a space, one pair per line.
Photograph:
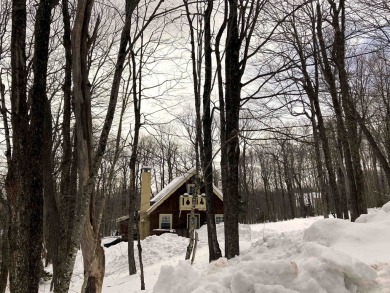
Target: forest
284, 105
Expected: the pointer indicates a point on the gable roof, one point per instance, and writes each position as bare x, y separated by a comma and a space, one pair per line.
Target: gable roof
176, 183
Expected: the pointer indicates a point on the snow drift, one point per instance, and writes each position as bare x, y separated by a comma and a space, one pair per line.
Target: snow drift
332, 255
329, 256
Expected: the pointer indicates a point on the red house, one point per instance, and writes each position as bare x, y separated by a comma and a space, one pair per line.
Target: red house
170, 209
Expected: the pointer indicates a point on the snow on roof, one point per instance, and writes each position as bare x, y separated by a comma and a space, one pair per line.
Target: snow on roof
173, 186
218, 191
121, 219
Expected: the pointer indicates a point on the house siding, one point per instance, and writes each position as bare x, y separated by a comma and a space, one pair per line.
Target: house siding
179, 220
171, 206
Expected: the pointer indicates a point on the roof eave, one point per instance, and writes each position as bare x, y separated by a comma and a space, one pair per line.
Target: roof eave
158, 203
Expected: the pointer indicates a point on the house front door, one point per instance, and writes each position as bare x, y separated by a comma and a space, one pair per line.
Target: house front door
197, 221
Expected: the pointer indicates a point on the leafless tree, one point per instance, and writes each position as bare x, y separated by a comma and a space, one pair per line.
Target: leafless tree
24, 183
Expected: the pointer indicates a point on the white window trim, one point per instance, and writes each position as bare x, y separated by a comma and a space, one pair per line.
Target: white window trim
219, 215
170, 220
188, 222
189, 188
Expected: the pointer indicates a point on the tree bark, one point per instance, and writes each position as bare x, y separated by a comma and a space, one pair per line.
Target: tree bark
232, 106
93, 254
52, 227
6, 212
222, 116
87, 174
4, 240
312, 91
342, 133
348, 130
288, 180
214, 250
357, 202
24, 181
65, 205
133, 161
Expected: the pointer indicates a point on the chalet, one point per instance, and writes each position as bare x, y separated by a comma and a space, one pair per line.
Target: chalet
170, 209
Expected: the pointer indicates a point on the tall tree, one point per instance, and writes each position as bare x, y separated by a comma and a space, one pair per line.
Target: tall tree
307, 51
203, 143
347, 129
196, 60
133, 214
84, 226
4, 210
214, 250
24, 182
233, 76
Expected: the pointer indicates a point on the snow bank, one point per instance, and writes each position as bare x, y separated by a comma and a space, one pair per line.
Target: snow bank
315, 269
243, 229
154, 249
378, 216
332, 255
367, 239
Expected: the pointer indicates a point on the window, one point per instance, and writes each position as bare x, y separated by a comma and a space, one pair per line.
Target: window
190, 189
218, 218
197, 221
165, 221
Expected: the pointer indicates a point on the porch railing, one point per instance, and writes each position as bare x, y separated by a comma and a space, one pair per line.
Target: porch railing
186, 202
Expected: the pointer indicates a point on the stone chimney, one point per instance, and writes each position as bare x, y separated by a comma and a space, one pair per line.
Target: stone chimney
144, 224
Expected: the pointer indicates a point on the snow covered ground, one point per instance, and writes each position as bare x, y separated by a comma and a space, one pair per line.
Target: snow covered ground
302, 255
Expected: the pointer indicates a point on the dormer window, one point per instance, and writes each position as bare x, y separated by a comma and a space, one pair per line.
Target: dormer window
190, 189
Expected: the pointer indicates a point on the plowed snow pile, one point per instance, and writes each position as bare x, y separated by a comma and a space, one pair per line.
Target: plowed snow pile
310, 255
332, 256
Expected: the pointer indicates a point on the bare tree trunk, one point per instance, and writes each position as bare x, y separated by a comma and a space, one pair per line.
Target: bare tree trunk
195, 246
17, 196
330, 79
133, 160
203, 147
88, 170
343, 184
214, 250
93, 254
67, 200
311, 88
190, 247
267, 201
288, 180
141, 264
132, 221
51, 208
277, 178
222, 116
320, 172
348, 130
196, 83
94, 260
358, 205
232, 106
5, 213
4, 243
24, 181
